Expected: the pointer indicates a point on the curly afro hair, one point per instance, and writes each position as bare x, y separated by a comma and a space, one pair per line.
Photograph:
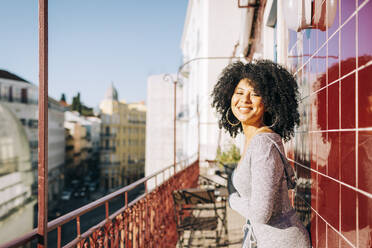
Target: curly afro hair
273, 83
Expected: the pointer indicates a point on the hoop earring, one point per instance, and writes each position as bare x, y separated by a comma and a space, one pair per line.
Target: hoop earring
274, 123
227, 118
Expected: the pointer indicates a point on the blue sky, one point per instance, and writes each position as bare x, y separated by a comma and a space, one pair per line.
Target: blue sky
93, 43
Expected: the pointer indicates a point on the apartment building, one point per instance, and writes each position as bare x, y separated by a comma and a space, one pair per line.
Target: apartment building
20, 96
123, 135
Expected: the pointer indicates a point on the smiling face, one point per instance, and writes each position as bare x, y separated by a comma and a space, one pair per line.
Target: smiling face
246, 105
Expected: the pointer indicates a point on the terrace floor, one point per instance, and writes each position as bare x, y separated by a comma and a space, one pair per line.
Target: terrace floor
235, 221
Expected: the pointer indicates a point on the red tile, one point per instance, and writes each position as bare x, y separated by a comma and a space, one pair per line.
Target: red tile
322, 62
328, 196
347, 9
313, 229
348, 102
314, 186
322, 149
333, 17
365, 97
333, 69
332, 238
348, 47
313, 69
321, 235
313, 44
347, 143
365, 219
365, 161
344, 244
306, 44
348, 213
334, 155
321, 108
333, 106
313, 113
313, 153
364, 30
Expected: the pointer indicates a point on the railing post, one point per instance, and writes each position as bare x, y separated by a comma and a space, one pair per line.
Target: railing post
42, 226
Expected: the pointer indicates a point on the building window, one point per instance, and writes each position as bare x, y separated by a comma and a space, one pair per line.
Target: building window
23, 121
24, 98
10, 96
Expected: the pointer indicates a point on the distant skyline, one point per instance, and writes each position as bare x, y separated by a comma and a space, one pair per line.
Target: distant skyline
93, 43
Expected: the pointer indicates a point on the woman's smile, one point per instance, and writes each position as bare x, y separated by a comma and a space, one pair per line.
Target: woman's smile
244, 110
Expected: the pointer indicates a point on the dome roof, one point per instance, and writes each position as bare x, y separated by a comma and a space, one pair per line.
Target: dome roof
111, 93
14, 145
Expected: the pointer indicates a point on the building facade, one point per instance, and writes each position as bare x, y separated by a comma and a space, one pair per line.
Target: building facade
16, 177
326, 45
123, 132
82, 144
20, 97
160, 123
203, 60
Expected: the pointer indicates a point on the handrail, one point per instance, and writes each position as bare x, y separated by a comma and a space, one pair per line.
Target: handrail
32, 235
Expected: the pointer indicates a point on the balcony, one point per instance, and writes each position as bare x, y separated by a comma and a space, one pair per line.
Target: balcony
107, 148
108, 135
144, 219
141, 214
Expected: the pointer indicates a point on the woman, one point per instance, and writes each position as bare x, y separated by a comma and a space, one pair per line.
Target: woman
260, 99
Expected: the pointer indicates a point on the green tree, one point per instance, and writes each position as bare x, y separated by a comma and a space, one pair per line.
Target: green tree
63, 97
77, 105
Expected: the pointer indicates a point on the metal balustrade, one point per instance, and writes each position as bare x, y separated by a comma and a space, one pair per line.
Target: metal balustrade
147, 221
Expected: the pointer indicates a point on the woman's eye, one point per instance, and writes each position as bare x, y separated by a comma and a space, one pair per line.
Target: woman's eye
239, 93
254, 94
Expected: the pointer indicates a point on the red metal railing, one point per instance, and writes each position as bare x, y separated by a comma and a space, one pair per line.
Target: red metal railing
147, 221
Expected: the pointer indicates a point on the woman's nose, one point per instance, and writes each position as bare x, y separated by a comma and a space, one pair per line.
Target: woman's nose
246, 98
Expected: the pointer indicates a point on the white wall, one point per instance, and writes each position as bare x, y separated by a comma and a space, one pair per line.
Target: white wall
212, 28
159, 124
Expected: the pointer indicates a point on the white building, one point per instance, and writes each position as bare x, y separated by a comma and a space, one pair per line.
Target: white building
90, 135
160, 123
16, 201
20, 97
211, 38
94, 129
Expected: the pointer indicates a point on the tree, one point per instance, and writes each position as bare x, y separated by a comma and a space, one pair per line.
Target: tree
63, 97
77, 105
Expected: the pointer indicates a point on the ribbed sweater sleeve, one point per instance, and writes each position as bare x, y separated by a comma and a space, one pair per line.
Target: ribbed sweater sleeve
266, 172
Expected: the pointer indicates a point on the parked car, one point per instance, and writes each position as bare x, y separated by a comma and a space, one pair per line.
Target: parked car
66, 195
92, 186
82, 193
76, 193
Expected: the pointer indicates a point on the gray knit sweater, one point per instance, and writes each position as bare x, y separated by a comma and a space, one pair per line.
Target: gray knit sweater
262, 195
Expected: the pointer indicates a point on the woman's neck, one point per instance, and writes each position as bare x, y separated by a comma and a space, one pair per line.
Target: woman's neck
251, 130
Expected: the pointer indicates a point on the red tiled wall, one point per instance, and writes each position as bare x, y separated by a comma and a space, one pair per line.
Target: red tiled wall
332, 149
